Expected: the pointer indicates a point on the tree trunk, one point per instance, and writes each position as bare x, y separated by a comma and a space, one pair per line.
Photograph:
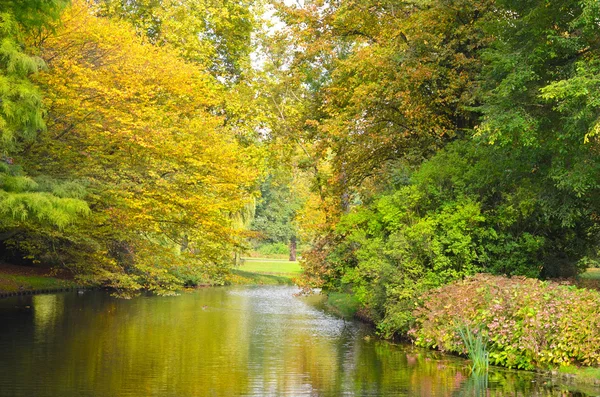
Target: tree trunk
293, 249
184, 243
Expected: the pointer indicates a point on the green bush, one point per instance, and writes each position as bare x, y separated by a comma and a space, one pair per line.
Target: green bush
528, 323
469, 209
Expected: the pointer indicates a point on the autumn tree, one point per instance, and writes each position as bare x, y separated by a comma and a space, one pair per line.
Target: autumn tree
143, 128
462, 139
392, 78
215, 34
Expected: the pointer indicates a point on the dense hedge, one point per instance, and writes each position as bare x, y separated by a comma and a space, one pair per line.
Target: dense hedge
528, 323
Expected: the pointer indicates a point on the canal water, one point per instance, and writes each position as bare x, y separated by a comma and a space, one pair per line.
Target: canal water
233, 341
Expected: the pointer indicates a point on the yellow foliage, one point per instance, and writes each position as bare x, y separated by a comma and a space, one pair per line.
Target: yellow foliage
146, 129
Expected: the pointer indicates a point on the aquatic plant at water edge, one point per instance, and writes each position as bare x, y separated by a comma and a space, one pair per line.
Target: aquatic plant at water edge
476, 344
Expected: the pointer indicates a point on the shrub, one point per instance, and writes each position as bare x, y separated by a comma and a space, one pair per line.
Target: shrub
528, 323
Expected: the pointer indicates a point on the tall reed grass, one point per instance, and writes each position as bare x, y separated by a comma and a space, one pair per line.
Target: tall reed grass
476, 344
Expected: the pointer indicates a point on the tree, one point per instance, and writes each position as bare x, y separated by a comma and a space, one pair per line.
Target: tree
215, 34
24, 200
276, 212
393, 78
144, 129
461, 135
538, 94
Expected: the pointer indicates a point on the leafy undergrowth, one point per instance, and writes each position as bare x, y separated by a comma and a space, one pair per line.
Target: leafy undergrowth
15, 283
528, 323
342, 304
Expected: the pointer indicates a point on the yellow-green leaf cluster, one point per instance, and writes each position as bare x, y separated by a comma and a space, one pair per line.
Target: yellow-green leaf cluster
146, 130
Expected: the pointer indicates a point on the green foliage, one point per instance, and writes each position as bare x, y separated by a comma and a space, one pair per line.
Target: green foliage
276, 212
460, 213
540, 92
344, 305
507, 90
528, 323
24, 200
192, 275
21, 113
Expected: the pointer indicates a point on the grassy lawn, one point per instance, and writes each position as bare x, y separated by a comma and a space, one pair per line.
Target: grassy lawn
264, 271
15, 283
590, 279
270, 266
592, 274
240, 277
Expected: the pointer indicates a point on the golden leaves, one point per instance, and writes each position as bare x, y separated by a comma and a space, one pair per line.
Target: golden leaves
145, 127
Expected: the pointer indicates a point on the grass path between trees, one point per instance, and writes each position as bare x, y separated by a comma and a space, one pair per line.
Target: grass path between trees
266, 271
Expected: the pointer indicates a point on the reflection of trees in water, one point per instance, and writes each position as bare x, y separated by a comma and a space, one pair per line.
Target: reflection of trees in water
501, 383
475, 386
403, 370
217, 343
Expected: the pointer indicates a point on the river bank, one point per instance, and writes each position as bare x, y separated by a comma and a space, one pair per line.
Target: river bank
436, 326
19, 280
27, 280
237, 340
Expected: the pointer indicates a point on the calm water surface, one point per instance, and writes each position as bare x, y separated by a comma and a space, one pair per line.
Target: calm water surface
247, 341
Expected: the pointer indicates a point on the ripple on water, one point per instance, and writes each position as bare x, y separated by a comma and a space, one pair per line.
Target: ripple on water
238, 341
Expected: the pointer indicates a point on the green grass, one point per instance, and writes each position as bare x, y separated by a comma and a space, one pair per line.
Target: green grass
240, 277
263, 271
270, 266
15, 283
590, 279
591, 274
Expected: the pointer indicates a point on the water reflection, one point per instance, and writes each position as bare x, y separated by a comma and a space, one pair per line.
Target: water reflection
221, 342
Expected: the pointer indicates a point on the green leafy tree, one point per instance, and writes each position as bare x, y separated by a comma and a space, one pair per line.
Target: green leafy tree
24, 200
539, 98
462, 138
276, 212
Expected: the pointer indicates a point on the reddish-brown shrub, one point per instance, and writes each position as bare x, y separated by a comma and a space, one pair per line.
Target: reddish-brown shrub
528, 323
